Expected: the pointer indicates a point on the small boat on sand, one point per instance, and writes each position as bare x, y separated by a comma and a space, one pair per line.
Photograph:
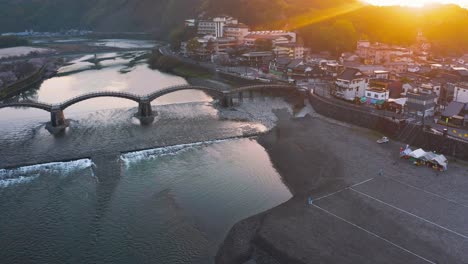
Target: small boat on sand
383, 140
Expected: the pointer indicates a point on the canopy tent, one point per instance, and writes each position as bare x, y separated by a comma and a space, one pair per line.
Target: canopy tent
417, 154
400, 101
441, 160
425, 157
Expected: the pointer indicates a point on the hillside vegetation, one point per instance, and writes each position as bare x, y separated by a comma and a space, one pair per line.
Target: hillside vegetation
323, 24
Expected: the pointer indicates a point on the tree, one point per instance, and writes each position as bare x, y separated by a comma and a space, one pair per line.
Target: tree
343, 36
193, 45
180, 34
210, 46
264, 44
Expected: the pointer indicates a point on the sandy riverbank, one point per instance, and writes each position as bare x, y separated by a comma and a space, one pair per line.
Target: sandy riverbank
405, 214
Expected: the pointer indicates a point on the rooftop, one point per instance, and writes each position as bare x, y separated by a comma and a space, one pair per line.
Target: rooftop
350, 74
453, 109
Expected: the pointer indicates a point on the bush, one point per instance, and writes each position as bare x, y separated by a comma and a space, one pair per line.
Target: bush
12, 41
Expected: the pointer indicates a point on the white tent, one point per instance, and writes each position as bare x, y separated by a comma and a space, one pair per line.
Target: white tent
441, 160
417, 154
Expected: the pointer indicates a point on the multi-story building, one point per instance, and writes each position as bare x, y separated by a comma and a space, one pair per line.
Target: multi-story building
215, 26
421, 104
350, 84
292, 50
236, 31
377, 94
461, 93
277, 37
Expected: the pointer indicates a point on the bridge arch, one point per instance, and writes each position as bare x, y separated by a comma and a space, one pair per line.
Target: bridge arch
37, 105
88, 96
172, 89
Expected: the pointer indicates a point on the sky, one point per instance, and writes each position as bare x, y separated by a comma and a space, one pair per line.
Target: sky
417, 3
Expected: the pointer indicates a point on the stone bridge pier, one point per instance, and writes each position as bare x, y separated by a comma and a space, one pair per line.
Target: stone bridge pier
226, 100
145, 112
57, 123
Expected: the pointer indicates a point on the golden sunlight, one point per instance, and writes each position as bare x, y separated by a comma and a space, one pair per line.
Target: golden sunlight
416, 3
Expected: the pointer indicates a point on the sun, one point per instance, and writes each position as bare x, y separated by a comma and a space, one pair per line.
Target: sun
416, 3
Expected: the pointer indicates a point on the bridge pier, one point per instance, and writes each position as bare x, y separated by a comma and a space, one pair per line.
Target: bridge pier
57, 123
226, 101
145, 112
241, 97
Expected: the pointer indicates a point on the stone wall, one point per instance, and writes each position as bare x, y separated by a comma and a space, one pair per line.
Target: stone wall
413, 135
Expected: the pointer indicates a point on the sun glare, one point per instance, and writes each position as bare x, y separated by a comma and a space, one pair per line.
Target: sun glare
416, 3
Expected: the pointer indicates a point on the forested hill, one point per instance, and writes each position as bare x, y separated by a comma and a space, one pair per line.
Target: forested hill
322, 23
101, 15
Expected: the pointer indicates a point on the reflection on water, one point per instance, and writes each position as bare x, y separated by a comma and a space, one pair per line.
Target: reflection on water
125, 43
83, 78
173, 208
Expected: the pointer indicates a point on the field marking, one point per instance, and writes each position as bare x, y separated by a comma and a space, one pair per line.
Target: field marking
428, 192
374, 234
344, 189
404, 211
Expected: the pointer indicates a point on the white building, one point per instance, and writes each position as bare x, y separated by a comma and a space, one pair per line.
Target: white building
276, 36
215, 26
461, 93
351, 83
291, 50
377, 94
429, 88
236, 31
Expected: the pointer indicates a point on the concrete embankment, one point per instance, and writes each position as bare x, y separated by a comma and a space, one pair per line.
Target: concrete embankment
406, 133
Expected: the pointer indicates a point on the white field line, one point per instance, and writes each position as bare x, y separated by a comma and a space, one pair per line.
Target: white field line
374, 234
418, 217
344, 189
428, 192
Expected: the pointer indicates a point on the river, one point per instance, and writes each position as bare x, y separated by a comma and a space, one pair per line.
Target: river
114, 202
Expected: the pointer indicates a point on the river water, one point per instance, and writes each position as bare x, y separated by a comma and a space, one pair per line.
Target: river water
114, 202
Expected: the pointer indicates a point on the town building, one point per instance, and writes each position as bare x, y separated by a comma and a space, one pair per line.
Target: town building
209, 46
393, 88
215, 26
455, 114
258, 58
377, 94
292, 50
276, 37
431, 88
421, 104
461, 92
236, 31
350, 84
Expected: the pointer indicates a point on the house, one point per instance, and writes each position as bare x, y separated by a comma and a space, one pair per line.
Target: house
431, 88
374, 95
276, 37
461, 92
350, 84
394, 88
462, 72
279, 66
209, 45
332, 68
397, 67
257, 58
381, 74
421, 104
293, 50
454, 114
189, 23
